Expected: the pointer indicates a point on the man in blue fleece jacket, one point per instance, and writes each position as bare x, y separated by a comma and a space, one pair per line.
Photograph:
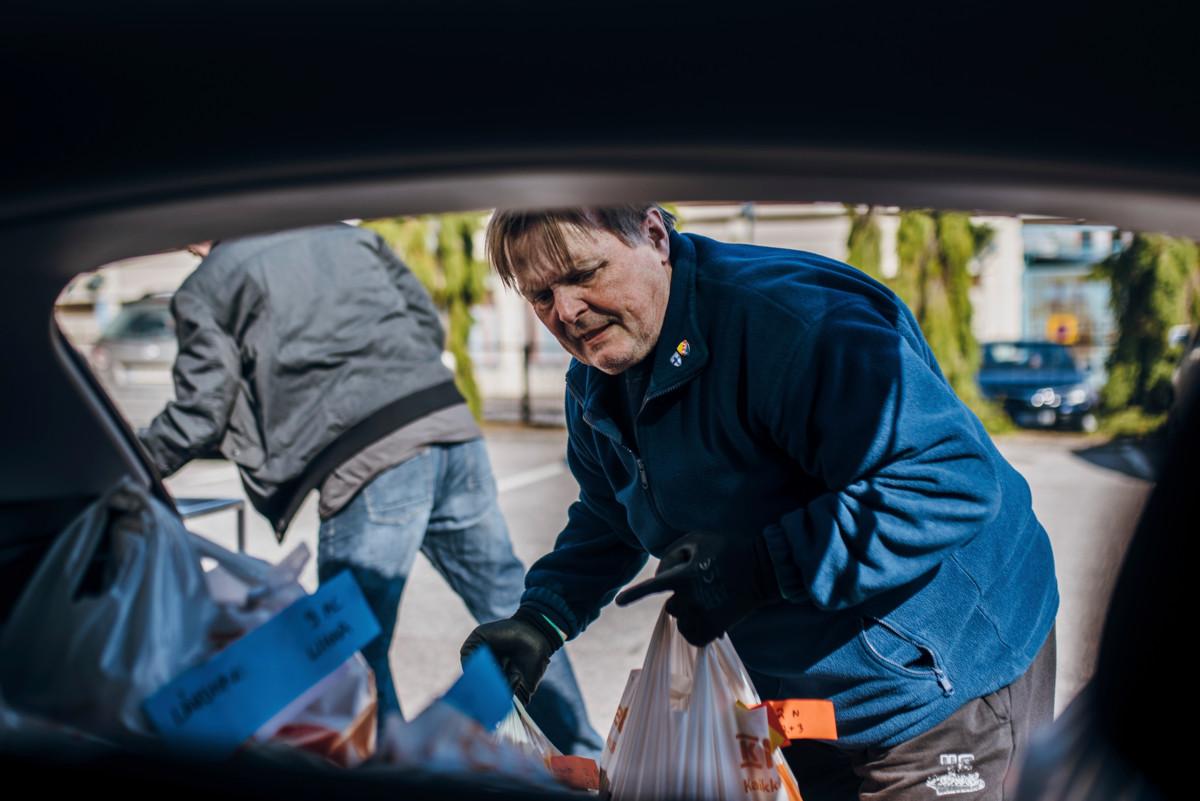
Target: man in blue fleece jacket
772, 425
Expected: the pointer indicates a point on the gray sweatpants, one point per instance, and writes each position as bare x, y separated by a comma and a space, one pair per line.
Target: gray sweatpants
969, 754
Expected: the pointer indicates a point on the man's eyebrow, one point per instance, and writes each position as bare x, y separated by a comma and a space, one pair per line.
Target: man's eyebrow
573, 268
533, 288
594, 263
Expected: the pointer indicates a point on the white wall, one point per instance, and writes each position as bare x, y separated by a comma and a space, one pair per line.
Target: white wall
996, 299
816, 227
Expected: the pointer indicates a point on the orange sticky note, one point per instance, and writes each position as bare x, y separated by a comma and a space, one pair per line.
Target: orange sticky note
806, 718
778, 738
578, 772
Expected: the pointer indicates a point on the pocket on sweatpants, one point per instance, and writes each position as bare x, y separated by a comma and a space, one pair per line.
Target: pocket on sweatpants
1000, 703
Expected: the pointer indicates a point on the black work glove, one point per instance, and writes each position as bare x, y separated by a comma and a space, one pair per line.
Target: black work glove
522, 644
718, 579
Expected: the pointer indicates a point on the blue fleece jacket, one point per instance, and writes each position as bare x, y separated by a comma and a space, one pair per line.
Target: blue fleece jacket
807, 408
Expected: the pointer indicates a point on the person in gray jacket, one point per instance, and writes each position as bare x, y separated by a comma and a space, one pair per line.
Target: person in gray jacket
312, 359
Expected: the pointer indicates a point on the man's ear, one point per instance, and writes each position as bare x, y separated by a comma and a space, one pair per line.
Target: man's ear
656, 234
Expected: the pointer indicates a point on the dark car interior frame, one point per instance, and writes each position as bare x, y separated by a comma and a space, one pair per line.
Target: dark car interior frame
139, 129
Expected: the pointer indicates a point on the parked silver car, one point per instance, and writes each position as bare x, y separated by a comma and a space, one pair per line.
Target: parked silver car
138, 346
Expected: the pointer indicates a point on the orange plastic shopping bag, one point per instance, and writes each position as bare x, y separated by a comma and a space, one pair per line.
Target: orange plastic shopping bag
691, 725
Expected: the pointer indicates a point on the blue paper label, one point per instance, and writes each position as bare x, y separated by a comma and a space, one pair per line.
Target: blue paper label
481, 693
218, 705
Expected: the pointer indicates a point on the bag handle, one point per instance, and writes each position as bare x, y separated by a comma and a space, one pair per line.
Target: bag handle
248, 569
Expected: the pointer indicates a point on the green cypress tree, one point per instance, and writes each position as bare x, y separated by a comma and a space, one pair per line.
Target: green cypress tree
934, 250
865, 243
915, 242
465, 286
1152, 283
440, 250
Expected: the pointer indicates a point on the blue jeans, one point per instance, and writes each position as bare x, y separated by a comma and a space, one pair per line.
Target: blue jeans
442, 502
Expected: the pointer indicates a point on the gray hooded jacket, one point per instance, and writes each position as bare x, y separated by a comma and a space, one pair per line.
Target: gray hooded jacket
296, 351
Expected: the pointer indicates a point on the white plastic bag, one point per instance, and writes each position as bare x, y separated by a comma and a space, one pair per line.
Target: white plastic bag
520, 730
680, 731
442, 739
120, 606
20, 725
247, 591
336, 717
117, 608
473, 727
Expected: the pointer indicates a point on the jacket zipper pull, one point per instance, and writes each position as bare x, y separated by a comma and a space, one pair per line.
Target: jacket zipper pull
943, 682
642, 474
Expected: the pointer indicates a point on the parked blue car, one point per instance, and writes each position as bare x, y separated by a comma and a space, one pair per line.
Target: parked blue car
1039, 384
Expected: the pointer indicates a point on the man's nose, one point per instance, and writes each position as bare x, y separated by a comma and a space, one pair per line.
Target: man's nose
568, 304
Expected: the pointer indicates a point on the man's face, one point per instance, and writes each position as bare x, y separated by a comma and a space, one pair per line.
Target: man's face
607, 308
200, 249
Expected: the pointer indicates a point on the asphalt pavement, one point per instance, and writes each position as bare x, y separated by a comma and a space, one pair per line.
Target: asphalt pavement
1088, 504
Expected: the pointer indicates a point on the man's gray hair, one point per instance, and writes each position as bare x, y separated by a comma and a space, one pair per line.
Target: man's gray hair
517, 237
